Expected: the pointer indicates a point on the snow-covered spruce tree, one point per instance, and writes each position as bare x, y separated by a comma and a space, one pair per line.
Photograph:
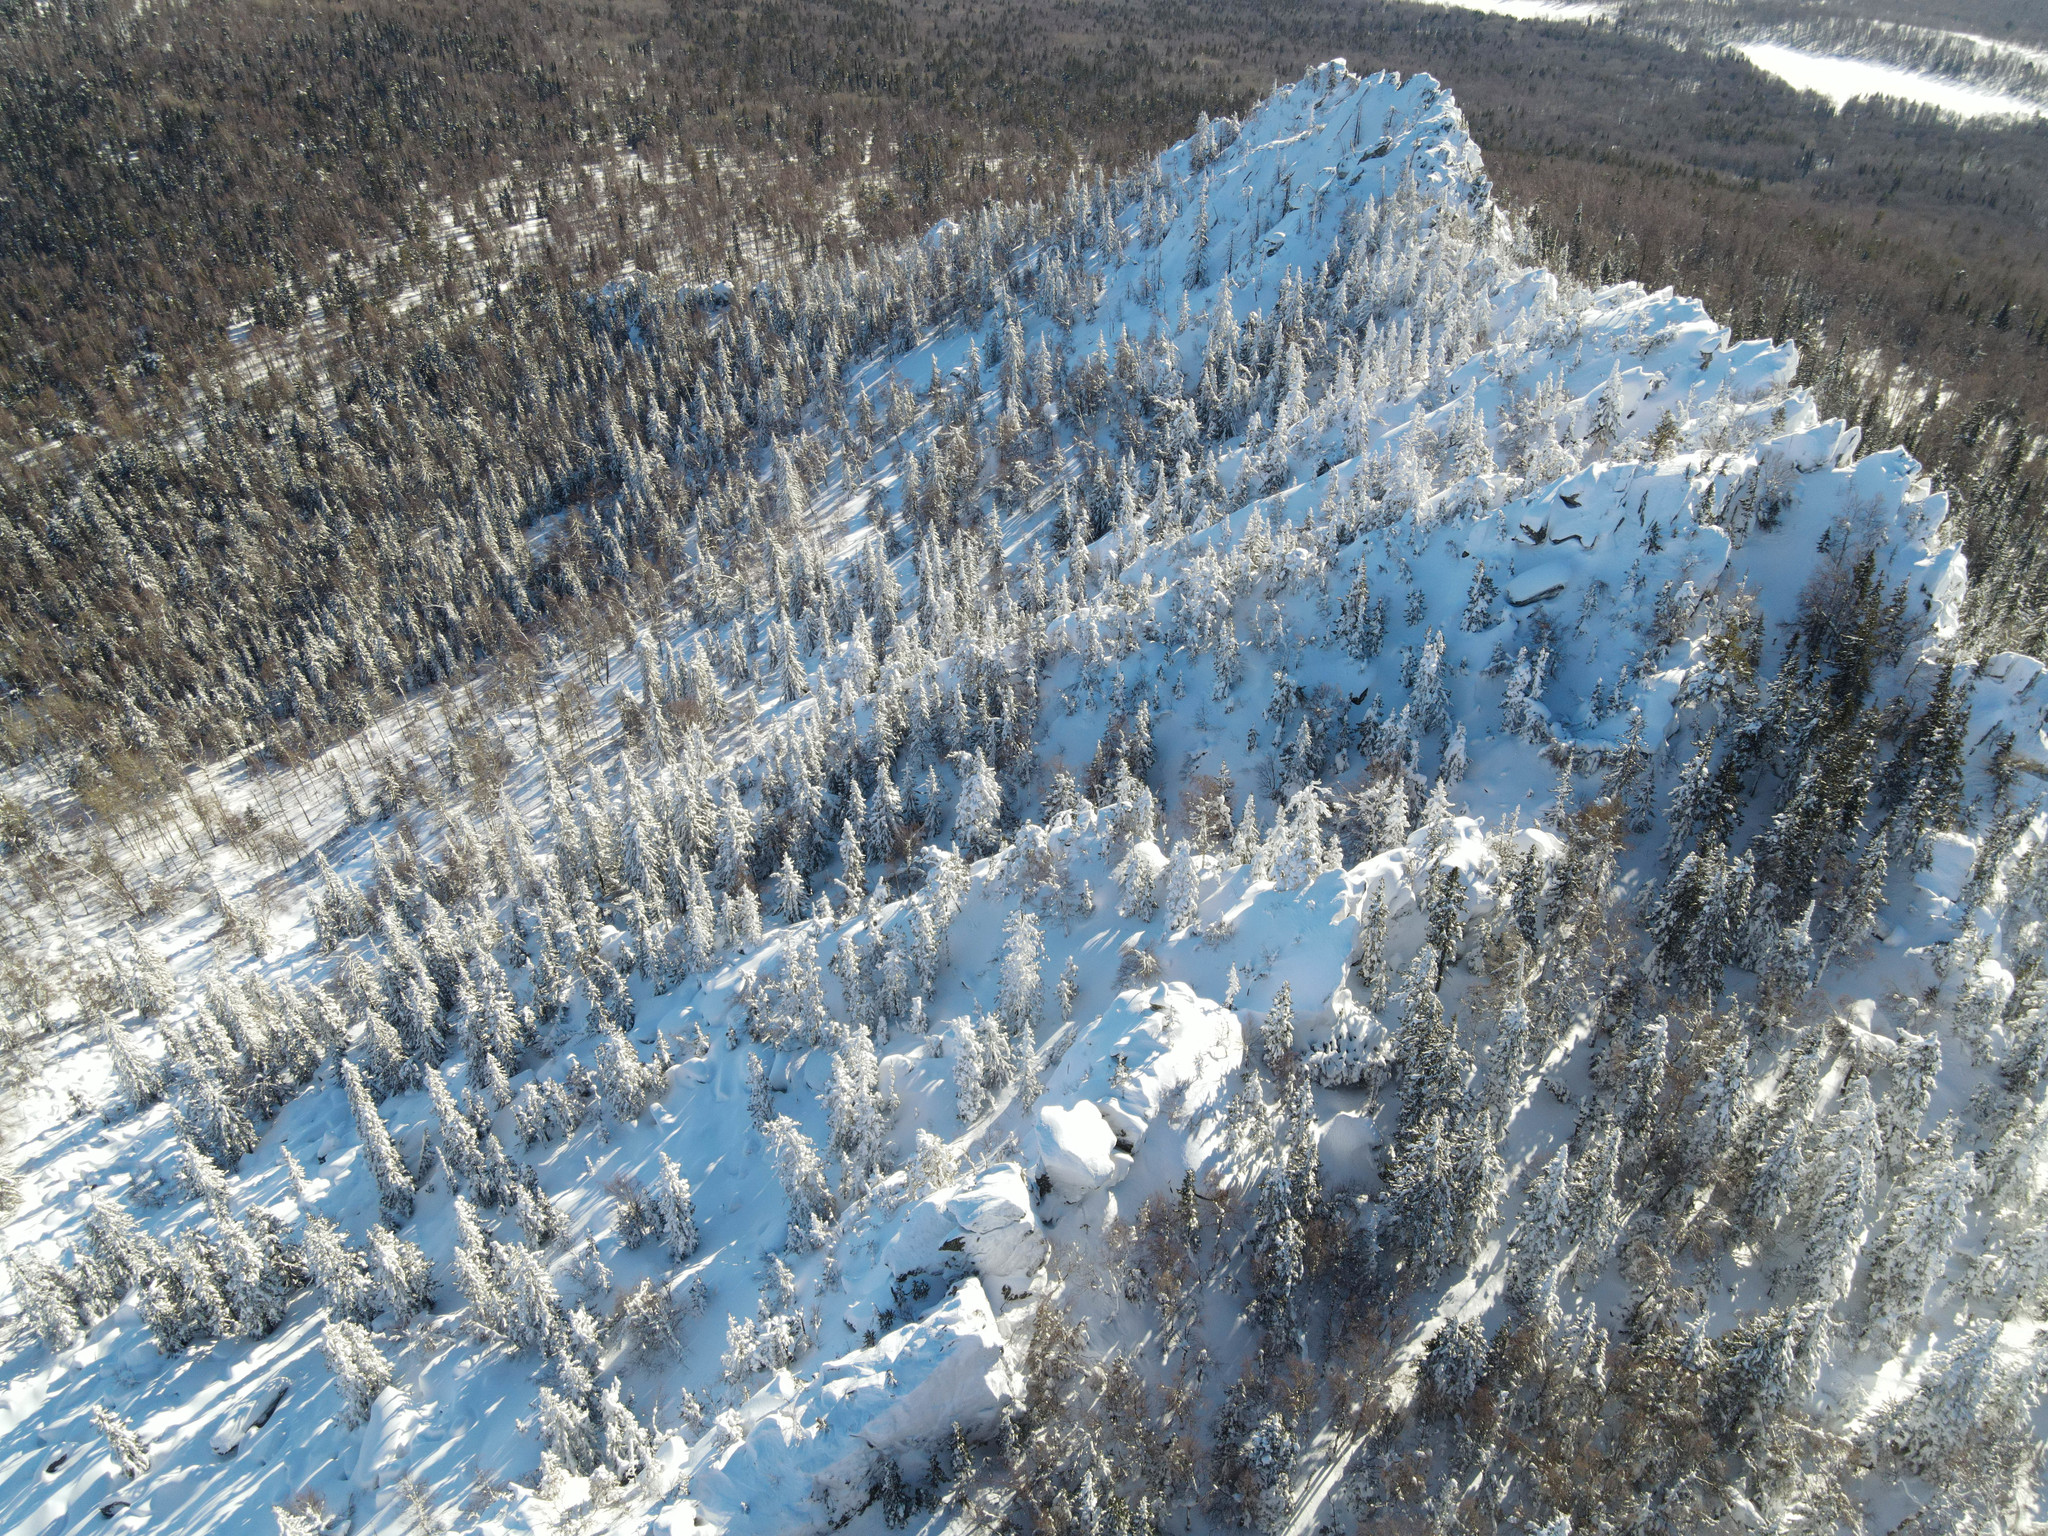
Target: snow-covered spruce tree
674, 1210
1453, 1364
1771, 1362
460, 1151
1479, 601
533, 1316
200, 1178
360, 1370
142, 1082
1429, 697
479, 1272
1183, 897
801, 1172
1268, 1455
117, 1251
208, 1103
1845, 1160
970, 1069
1720, 1104
1968, 1425
401, 1276
1630, 779
1276, 1031
1542, 1239
152, 990
1295, 853
1021, 991
254, 1278
625, 1084
628, 1448
394, 1180
1927, 1212
978, 814
566, 1432
855, 1113
1498, 1087
1137, 879
339, 1271
129, 1450
48, 1300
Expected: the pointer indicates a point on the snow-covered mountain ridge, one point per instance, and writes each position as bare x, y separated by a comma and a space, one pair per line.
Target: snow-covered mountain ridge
1392, 901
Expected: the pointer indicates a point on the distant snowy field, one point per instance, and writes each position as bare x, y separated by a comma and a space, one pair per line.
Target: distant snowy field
1531, 10
1843, 80
1389, 870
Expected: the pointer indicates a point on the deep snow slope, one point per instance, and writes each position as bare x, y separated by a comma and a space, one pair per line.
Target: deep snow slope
1390, 894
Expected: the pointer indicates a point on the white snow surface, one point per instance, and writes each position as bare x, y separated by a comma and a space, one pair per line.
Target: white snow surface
1843, 80
924, 1294
1531, 10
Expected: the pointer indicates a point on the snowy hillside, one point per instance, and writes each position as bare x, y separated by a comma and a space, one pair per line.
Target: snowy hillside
1274, 872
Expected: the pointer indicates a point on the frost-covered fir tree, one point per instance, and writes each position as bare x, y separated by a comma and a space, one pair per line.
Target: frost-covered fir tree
394, 1179
1021, 989
360, 1370
1276, 1030
675, 1210
129, 1450
978, 813
854, 1112
1926, 1214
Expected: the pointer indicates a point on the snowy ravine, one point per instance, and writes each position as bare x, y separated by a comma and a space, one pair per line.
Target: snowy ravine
1319, 882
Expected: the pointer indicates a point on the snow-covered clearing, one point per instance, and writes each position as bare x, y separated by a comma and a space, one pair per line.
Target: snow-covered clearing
1843, 80
1531, 10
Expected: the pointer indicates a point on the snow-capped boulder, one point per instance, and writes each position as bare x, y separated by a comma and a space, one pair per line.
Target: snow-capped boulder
809, 1449
386, 1438
986, 1226
1078, 1148
1345, 1148
1153, 1046
926, 1377
1537, 583
999, 1230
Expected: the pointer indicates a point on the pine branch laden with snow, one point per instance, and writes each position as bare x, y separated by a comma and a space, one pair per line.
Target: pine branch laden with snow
1272, 870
